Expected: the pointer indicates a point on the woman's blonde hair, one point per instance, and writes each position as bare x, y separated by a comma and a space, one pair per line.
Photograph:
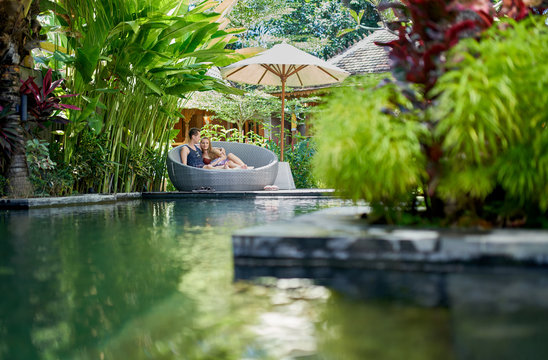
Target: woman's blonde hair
208, 141
215, 153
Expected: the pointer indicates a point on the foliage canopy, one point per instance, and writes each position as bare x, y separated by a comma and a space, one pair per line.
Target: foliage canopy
312, 25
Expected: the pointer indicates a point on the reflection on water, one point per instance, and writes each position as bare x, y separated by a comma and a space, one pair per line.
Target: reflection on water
479, 313
134, 280
155, 280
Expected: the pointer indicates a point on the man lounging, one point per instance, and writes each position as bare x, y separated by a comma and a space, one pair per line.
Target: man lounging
191, 154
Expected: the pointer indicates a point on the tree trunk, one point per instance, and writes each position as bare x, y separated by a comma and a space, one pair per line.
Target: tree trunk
18, 173
241, 130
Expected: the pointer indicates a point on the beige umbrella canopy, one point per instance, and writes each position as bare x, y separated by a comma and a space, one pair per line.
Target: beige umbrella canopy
284, 65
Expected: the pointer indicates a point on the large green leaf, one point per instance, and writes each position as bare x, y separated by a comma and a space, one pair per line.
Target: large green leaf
199, 37
180, 28
181, 8
152, 86
209, 54
86, 61
63, 58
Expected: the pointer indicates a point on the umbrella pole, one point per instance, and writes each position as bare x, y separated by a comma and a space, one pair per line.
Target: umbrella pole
282, 132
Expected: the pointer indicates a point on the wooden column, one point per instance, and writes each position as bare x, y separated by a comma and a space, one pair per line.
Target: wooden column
187, 116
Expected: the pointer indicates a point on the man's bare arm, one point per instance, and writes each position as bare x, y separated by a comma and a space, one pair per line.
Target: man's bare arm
184, 154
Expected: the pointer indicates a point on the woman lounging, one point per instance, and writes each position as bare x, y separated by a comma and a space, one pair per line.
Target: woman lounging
217, 157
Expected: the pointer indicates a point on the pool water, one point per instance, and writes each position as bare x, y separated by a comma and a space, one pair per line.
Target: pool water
155, 280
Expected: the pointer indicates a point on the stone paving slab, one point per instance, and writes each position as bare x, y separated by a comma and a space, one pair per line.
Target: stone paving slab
66, 200
338, 237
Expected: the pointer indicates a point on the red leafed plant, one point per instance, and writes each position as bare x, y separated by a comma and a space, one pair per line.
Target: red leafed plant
432, 27
435, 26
43, 104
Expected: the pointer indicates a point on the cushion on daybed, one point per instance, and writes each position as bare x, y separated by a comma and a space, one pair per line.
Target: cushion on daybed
188, 178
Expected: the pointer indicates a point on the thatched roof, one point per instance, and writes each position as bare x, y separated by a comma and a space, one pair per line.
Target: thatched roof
365, 57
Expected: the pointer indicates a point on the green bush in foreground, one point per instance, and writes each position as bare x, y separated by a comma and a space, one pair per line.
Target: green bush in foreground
363, 152
488, 113
493, 118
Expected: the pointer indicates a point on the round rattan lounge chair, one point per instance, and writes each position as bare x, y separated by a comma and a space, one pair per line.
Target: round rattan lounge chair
188, 178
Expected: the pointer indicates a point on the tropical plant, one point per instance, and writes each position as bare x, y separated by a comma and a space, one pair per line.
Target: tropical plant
384, 15
46, 176
427, 30
410, 134
362, 150
494, 138
310, 24
89, 163
217, 132
45, 105
131, 61
299, 156
38, 155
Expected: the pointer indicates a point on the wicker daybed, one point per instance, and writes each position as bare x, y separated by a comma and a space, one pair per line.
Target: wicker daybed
188, 178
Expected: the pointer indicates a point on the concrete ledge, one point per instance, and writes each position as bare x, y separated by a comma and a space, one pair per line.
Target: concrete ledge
65, 200
337, 237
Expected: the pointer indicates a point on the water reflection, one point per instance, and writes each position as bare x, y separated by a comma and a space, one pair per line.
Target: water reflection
479, 313
155, 280
134, 280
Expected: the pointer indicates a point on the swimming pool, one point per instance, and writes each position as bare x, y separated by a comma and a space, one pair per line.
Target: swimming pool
155, 280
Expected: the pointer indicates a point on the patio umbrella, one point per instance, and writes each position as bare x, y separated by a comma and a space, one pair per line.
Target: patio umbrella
284, 65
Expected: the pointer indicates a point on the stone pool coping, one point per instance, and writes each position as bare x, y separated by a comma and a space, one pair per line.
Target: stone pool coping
30, 203
338, 237
239, 194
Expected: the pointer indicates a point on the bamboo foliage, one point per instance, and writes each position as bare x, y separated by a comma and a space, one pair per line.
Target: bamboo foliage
131, 60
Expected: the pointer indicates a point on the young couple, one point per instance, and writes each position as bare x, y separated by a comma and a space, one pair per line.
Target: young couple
207, 157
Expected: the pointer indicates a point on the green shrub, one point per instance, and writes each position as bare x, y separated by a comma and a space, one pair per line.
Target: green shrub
363, 152
492, 111
300, 160
46, 176
148, 170
90, 162
488, 115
